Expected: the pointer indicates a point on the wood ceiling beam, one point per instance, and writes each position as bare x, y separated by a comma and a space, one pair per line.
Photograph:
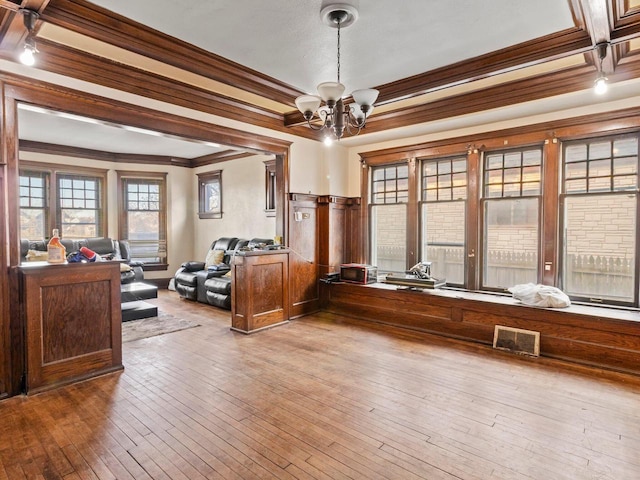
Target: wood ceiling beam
598, 24
106, 26
77, 152
224, 156
70, 62
567, 81
558, 45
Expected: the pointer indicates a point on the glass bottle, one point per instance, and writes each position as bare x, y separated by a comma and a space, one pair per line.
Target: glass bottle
56, 253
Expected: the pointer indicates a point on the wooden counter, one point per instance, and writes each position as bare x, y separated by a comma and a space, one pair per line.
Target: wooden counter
72, 322
259, 290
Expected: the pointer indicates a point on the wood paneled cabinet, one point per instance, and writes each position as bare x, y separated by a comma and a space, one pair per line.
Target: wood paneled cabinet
259, 290
72, 319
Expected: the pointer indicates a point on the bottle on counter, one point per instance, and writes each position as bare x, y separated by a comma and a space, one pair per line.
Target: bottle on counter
56, 253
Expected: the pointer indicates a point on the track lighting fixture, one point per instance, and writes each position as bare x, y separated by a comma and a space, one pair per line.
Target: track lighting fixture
600, 85
27, 57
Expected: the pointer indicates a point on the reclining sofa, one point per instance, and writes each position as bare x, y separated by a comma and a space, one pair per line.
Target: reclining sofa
107, 248
210, 281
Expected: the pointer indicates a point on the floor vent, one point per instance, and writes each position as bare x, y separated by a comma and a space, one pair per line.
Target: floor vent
516, 340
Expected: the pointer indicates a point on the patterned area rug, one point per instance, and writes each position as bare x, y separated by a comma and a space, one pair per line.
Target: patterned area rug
153, 326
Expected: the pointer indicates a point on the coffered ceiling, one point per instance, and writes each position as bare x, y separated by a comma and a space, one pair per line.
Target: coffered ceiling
247, 60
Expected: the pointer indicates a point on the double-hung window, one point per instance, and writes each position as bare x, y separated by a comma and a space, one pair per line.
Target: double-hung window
79, 200
511, 217
34, 204
62, 197
389, 197
599, 208
143, 220
443, 210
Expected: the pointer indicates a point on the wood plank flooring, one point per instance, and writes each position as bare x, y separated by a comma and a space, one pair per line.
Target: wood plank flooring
324, 397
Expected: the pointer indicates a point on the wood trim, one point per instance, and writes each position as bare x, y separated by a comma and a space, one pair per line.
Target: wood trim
101, 24
98, 23
76, 152
575, 127
219, 157
413, 228
365, 225
549, 213
473, 214
66, 61
561, 44
588, 336
22, 89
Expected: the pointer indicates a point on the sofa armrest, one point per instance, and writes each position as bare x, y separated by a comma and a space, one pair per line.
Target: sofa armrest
193, 266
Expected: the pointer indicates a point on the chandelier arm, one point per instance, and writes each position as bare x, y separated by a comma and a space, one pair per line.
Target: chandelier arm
324, 118
353, 129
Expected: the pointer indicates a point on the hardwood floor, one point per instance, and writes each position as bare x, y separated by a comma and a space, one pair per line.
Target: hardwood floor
324, 397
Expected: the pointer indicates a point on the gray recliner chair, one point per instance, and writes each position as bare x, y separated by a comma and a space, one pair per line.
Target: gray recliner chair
210, 283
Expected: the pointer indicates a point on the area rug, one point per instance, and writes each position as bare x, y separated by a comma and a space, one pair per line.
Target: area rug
153, 326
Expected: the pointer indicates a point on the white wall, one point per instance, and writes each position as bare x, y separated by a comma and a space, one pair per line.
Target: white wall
180, 234
243, 203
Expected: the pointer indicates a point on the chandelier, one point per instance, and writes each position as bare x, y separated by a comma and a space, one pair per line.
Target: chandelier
334, 114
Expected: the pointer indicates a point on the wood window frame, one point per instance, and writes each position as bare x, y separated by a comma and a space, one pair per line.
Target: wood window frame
270, 187
122, 176
53, 170
204, 180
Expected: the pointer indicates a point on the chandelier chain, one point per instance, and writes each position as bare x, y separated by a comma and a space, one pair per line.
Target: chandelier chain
339, 22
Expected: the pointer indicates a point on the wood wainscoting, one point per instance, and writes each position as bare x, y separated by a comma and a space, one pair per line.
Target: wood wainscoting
260, 290
72, 322
595, 336
324, 231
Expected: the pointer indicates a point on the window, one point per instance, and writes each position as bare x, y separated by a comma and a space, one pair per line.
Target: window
511, 210
210, 194
34, 223
143, 220
443, 210
54, 196
599, 205
79, 206
270, 188
389, 196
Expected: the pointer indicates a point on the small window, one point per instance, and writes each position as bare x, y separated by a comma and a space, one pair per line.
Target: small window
210, 194
270, 188
79, 201
34, 212
143, 217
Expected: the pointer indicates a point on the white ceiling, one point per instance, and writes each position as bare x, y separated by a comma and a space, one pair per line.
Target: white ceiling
287, 40
392, 39
58, 128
